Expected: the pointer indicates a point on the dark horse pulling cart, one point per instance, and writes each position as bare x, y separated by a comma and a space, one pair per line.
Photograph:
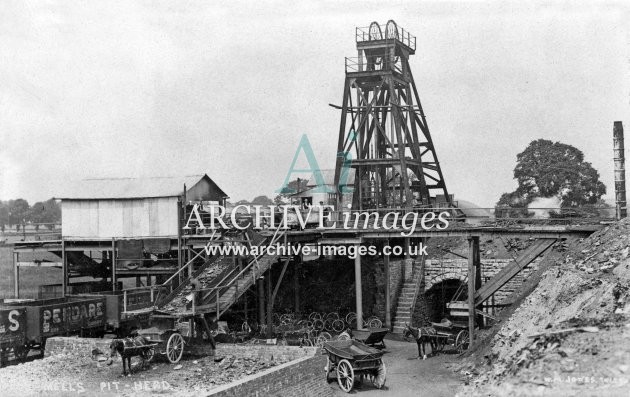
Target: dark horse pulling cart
131, 347
351, 360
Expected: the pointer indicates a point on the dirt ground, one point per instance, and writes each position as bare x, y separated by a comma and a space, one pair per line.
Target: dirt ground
571, 335
75, 376
408, 376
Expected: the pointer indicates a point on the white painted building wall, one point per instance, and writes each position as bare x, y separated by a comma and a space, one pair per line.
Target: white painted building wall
107, 218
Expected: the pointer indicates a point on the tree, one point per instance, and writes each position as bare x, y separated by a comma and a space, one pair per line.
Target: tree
554, 169
18, 211
262, 200
45, 212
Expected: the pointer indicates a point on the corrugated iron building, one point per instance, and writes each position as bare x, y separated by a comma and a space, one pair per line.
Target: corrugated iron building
132, 207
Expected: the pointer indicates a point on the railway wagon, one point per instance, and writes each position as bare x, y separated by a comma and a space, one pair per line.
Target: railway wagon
12, 330
125, 308
44, 318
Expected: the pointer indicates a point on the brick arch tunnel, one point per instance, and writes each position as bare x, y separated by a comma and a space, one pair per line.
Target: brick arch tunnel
441, 290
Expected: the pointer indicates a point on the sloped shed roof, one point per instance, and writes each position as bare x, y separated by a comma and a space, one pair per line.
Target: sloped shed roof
129, 188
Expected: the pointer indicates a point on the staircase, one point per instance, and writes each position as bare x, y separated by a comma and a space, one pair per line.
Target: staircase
407, 298
235, 284
221, 278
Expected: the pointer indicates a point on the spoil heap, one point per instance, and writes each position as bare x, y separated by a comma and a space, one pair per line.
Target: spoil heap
572, 334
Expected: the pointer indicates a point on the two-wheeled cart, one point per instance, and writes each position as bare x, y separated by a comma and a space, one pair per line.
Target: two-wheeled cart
453, 334
172, 334
352, 361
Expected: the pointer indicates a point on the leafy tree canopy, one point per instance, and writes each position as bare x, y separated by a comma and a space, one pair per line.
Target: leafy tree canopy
554, 169
13, 212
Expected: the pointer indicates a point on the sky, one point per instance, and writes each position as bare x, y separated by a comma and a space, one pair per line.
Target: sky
145, 88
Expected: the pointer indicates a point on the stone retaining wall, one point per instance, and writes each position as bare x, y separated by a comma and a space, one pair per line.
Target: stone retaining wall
437, 271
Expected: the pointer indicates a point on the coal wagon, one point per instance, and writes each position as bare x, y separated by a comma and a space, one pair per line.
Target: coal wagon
29, 323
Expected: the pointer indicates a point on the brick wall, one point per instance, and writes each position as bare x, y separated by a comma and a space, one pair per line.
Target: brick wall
76, 346
303, 375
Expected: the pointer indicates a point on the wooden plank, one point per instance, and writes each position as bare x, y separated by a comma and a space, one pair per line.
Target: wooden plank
512, 269
473, 257
40, 264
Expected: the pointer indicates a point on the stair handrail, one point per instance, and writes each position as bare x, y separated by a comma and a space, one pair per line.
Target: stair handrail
165, 283
188, 263
273, 240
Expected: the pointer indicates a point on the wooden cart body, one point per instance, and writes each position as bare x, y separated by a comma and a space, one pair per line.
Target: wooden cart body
172, 334
453, 334
372, 336
352, 359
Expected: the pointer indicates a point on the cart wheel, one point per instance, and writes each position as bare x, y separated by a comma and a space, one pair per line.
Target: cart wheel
338, 325
326, 335
21, 352
328, 324
350, 317
149, 355
343, 336
380, 375
375, 323
318, 325
462, 341
345, 375
439, 345
175, 348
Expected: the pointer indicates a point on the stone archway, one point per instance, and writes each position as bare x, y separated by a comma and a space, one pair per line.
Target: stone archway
440, 278
443, 290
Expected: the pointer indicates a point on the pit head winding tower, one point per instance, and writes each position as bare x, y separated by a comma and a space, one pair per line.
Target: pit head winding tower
383, 135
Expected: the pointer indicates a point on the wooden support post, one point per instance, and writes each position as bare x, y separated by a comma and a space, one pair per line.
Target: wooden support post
296, 285
181, 212
64, 269
358, 289
113, 264
478, 276
16, 276
388, 313
277, 287
473, 258
261, 301
188, 258
269, 305
218, 305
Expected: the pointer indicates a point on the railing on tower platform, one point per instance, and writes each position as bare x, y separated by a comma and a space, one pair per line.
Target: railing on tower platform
389, 31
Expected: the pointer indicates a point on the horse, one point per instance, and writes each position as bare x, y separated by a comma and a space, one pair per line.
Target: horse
423, 336
131, 347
